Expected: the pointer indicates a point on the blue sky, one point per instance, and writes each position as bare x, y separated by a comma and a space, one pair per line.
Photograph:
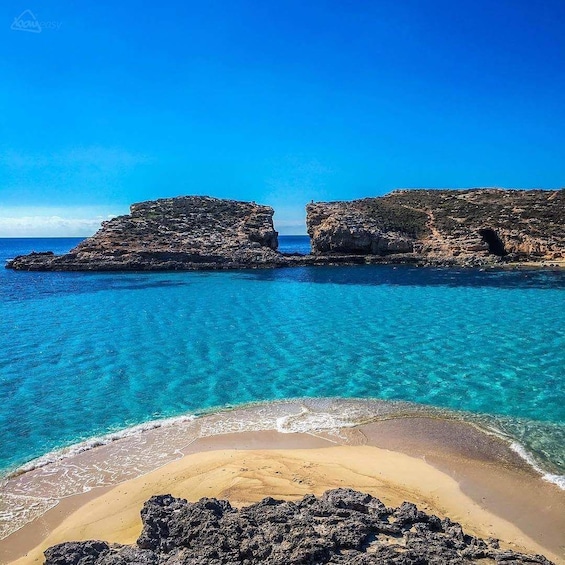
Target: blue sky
280, 102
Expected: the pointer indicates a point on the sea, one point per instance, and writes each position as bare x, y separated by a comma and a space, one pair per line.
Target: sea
89, 358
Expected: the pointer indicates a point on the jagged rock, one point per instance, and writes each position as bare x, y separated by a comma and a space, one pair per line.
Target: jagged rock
77, 553
342, 526
452, 226
98, 553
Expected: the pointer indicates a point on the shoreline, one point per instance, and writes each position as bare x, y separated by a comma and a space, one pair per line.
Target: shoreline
42, 262
234, 416
447, 467
32, 490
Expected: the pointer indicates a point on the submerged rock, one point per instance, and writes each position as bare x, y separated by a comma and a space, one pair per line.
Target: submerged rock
341, 526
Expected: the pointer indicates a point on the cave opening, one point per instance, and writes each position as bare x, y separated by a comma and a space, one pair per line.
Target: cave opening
495, 245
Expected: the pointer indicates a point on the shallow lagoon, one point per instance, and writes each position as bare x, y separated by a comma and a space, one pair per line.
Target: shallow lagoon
84, 354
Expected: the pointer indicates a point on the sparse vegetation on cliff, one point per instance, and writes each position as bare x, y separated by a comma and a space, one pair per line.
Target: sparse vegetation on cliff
463, 227
458, 226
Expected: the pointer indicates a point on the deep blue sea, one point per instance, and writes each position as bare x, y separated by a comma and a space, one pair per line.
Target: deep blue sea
83, 354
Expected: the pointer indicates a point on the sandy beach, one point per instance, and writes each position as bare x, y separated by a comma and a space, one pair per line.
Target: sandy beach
447, 468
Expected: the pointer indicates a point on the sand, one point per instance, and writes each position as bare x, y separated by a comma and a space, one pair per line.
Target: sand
447, 468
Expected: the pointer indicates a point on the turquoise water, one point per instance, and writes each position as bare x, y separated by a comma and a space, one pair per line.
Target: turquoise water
83, 354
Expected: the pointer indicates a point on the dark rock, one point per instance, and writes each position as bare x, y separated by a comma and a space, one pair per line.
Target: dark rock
77, 553
124, 555
341, 527
98, 553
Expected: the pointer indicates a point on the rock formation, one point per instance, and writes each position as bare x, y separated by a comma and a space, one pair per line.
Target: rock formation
444, 226
463, 227
172, 233
342, 526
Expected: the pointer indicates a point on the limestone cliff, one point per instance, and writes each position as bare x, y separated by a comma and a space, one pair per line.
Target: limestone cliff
463, 227
453, 226
172, 233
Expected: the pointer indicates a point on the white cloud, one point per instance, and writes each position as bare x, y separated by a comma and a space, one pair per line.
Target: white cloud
81, 221
47, 226
290, 220
51, 221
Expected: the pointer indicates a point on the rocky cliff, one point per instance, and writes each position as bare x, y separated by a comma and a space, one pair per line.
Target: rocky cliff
342, 526
173, 233
446, 226
466, 227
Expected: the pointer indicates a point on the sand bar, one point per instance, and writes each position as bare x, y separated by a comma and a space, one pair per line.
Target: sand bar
447, 468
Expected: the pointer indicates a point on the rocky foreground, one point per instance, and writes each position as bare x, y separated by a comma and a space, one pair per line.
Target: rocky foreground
342, 526
424, 227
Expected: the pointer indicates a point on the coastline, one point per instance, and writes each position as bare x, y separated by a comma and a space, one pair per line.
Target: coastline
463, 227
47, 261
447, 467
327, 417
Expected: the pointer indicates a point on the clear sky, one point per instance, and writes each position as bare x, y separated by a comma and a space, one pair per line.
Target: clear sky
276, 101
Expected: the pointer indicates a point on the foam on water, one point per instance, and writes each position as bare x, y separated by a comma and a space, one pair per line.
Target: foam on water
109, 460
75, 449
558, 480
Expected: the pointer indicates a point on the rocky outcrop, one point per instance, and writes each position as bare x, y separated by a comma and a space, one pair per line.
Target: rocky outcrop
462, 227
173, 233
342, 526
444, 226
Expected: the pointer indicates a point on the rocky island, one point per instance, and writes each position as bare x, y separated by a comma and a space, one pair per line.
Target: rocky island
172, 233
341, 526
426, 227
444, 226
